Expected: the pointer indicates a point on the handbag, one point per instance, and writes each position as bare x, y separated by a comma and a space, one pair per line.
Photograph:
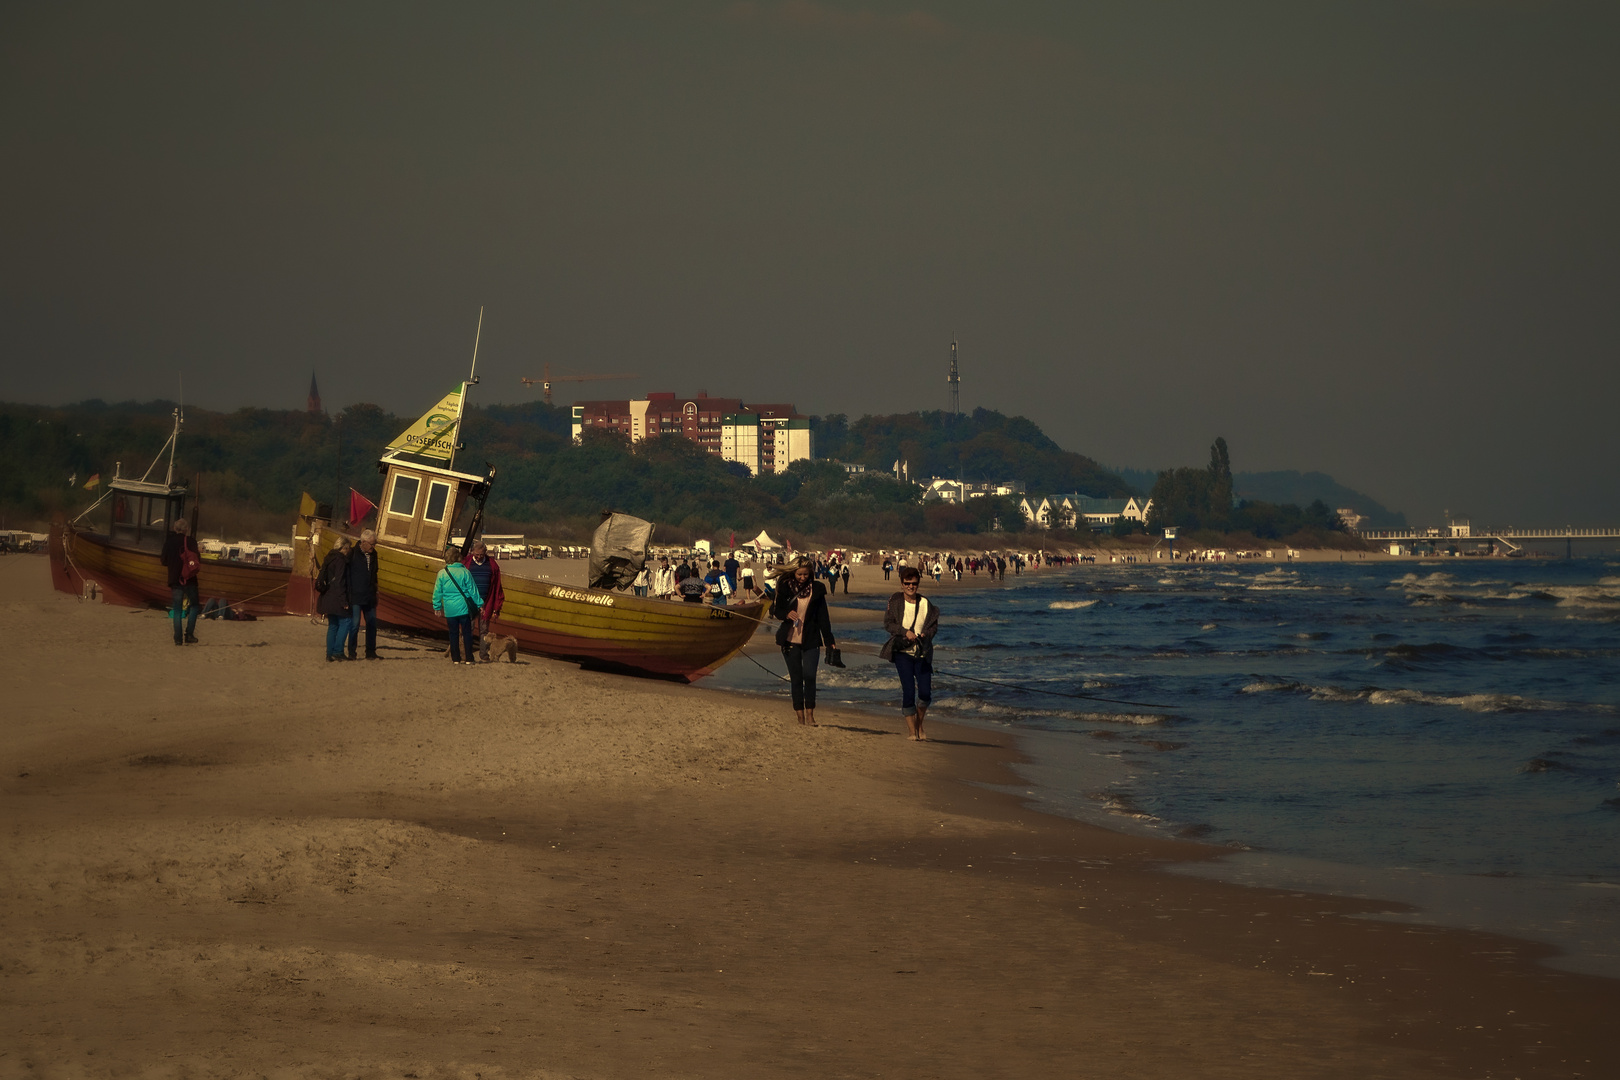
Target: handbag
834, 657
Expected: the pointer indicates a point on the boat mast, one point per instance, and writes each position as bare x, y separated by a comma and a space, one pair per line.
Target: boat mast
174, 439
472, 380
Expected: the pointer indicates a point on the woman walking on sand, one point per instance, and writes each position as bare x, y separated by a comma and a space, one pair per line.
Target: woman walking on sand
911, 622
801, 604
456, 597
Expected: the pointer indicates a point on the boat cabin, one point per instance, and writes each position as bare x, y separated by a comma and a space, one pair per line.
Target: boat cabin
421, 502
143, 513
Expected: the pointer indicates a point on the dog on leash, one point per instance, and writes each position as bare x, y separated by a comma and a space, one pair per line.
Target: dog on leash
494, 645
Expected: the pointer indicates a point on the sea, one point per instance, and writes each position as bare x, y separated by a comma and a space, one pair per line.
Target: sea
1439, 735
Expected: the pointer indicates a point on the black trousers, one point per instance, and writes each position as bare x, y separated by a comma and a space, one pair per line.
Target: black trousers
802, 661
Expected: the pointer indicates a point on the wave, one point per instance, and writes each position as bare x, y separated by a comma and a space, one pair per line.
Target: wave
1373, 695
1437, 580
1070, 605
995, 710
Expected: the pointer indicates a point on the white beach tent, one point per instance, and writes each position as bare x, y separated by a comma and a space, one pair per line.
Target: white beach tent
763, 542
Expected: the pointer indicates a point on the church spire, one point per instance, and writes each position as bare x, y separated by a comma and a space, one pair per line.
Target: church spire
314, 395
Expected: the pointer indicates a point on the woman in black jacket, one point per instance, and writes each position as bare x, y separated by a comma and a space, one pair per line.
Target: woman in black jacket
801, 604
334, 602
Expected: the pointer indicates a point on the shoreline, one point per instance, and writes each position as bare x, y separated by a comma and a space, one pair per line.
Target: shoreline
536, 870
1451, 901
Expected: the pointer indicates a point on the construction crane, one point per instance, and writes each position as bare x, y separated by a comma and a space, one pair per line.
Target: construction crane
547, 378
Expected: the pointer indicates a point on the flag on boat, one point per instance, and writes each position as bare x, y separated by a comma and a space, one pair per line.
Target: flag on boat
93, 483
306, 506
359, 506
434, 435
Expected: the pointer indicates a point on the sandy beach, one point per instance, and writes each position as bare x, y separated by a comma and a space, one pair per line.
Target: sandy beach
233, 859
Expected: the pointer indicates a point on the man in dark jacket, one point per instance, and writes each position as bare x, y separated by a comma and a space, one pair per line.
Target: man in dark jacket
363, 595
486, 574
333, 601
180, 556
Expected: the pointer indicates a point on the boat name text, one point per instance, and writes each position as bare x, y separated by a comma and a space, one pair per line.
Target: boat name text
582, 597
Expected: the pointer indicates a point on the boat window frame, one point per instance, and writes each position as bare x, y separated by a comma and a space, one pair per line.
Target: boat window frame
434, 487
394, 491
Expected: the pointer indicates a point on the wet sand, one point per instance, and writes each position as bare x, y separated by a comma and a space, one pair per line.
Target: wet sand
234, 859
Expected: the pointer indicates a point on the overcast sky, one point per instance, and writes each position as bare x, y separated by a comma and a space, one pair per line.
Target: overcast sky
1377, 239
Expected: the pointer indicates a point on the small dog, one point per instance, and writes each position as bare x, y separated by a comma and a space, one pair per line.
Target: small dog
495, 645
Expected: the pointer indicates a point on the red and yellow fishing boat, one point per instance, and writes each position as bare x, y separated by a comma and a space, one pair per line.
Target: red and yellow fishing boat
124, 563
598, 628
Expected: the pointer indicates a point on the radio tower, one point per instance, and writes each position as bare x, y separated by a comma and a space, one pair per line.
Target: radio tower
955, 382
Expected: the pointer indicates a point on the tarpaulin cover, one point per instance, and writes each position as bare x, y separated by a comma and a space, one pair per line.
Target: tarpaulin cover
618, 551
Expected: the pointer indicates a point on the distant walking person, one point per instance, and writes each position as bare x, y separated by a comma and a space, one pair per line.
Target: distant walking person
363, 595
801, 604
333, 585
456, 597
486, 574
911, 622
888, 567
182, 559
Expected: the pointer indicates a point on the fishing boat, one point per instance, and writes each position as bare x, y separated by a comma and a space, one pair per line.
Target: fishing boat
424, 495
124, 564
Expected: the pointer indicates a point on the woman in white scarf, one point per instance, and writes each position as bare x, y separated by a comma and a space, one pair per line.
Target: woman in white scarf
911, 621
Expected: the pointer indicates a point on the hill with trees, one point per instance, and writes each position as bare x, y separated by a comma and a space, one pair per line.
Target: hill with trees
251, 466
1200, 502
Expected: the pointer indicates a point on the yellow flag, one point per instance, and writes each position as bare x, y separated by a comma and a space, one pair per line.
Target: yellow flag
306, 506
434, 435
93, 483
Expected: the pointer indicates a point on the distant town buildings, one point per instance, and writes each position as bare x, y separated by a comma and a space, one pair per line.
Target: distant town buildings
765, 438
1065, 511
959, 491
1351, 519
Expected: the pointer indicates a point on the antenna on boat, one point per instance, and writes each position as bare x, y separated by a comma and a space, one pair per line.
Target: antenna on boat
472, 380
179, 418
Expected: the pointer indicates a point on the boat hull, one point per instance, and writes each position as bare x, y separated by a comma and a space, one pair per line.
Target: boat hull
597, 628
137, 578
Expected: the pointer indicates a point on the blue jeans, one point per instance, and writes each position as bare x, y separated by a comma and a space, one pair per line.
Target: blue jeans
337, 632
802, 661
178, 595
370, 613
916, 681
460, 627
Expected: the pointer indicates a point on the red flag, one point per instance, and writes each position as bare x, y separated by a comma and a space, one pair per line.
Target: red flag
359, 506
734, 540
789, 545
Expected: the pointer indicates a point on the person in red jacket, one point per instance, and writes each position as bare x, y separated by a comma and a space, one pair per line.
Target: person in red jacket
486, 574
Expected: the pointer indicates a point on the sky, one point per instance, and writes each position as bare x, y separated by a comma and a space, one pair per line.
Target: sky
1381, 240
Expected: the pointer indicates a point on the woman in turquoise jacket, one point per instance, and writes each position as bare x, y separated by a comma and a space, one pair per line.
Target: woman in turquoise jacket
456, 596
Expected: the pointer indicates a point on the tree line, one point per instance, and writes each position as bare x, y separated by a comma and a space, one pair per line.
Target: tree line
1200, 500
251, 466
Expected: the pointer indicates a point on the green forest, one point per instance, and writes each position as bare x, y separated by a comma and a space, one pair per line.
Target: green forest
1200, 502
249, 467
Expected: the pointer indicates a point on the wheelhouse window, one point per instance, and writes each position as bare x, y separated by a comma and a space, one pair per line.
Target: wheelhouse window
438, 500
403, 499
